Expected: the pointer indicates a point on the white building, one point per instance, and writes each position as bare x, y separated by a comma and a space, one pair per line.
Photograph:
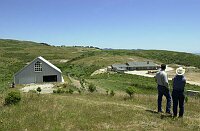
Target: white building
38, 71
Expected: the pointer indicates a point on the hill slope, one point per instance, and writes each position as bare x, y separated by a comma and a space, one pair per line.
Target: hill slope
87, 111
93, 112
78, 61
15, 54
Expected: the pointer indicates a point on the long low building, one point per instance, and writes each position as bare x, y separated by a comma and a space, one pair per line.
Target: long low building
38, 71
131, 66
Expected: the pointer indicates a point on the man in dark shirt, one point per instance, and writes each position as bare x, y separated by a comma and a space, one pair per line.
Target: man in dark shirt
163, 89
178, 97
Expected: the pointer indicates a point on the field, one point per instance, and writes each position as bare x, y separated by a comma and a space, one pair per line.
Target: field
102, 112
91, 111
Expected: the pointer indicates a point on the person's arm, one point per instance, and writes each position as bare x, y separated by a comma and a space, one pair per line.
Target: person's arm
165, 80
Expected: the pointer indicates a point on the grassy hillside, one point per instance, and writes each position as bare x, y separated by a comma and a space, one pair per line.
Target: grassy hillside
78, 61
14, 55
91, 111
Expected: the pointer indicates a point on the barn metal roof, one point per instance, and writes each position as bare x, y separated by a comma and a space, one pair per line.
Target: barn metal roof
47, 62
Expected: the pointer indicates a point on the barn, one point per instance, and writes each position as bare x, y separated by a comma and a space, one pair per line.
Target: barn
38, 71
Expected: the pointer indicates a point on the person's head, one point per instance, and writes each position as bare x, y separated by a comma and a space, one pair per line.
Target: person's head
180, 71
163, 67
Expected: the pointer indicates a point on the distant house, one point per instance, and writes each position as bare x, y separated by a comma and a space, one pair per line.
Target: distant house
131, 66
38, 71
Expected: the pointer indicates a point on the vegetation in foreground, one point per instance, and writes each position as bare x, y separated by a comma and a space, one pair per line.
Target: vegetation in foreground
93, 111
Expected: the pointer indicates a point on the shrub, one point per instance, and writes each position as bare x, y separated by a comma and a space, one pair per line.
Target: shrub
65, 85
71, 91
130, 91
59, 91
107, 91
82, 81
54, 91
112, 93
13, 98
92, 88
39, 89
79, 91
186, 99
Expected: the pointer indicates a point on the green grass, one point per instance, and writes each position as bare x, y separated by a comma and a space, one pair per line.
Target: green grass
122, 81
88, 111
92, 112
15, 54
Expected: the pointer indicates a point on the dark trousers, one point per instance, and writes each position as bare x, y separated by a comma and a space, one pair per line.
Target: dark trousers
178, 99
164, 91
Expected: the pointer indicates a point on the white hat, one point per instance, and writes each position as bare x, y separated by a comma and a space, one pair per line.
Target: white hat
180, 71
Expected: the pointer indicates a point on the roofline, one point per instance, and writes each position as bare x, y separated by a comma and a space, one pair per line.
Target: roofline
33, 61
25, 67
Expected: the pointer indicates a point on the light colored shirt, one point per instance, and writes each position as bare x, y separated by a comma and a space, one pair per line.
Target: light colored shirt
162, 78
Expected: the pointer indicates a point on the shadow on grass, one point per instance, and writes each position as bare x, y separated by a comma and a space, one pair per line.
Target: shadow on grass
162, 115
152, 111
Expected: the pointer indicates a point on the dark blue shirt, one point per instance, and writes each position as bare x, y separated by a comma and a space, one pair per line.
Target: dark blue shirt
179, 82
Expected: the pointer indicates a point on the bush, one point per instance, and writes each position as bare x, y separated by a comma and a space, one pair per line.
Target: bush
54, 91
82, 81
71, 91
92, 88
79, 91
130, 91
65, 85
13, 98
186, 99
112, 93
59, 91
107, 92
39, 89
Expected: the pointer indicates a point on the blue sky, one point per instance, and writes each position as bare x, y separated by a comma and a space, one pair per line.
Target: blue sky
130, 24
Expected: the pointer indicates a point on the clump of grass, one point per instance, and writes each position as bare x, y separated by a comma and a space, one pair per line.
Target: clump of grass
112, 93
71, 91
130, 91
79, 91
92, 88
107, 91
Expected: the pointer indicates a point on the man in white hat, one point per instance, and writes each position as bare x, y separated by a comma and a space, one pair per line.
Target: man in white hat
178, 96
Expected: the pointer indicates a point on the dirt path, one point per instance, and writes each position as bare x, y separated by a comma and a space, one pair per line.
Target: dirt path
75, 82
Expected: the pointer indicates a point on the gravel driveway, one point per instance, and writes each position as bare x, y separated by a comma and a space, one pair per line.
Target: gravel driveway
46, 88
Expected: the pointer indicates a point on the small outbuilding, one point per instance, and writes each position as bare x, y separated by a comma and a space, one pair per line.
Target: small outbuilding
38, 71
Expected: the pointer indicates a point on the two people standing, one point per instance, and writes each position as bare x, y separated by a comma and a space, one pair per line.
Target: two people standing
178, 97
